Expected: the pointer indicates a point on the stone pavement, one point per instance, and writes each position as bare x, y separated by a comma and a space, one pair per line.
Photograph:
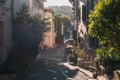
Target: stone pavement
88, 73
58, 54
44, 68
52, 54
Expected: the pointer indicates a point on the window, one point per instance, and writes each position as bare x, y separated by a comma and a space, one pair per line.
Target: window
78, 14
88, 11
88, 8
91, 4
84, 13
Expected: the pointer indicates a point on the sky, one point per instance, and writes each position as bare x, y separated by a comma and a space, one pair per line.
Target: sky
57, 3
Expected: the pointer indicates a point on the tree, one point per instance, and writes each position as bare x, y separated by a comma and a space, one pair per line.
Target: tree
66, 23
59, 22
28, 30
105, 23
58, 29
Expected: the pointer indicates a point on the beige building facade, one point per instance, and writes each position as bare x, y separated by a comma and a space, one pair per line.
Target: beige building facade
49, 39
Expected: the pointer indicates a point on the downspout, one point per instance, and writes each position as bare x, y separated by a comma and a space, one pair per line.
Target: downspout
76, 17
12, 27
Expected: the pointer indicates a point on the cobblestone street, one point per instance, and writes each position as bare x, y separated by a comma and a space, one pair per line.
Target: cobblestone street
49, 65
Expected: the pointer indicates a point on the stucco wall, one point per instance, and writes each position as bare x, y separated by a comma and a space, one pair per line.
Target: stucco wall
6, 19
18, 4
34, 6
49, 39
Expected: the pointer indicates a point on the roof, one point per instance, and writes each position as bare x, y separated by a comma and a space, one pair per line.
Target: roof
49, 10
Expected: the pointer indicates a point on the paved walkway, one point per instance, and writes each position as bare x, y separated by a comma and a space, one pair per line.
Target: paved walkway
57, 54
88, 73
52, 54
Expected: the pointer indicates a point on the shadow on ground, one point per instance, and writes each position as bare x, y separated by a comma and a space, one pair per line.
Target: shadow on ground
42, 71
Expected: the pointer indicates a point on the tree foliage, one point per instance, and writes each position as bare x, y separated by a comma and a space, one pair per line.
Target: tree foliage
58, 28
66, 23
28, 30
59, 22
105, 23
27, 34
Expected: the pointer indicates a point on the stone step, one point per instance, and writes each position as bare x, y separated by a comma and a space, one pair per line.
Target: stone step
88, 73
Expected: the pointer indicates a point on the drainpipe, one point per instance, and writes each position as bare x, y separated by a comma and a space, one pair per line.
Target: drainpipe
76, 21
12, 27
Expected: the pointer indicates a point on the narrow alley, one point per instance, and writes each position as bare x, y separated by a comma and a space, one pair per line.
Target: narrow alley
59, 39
49, 65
